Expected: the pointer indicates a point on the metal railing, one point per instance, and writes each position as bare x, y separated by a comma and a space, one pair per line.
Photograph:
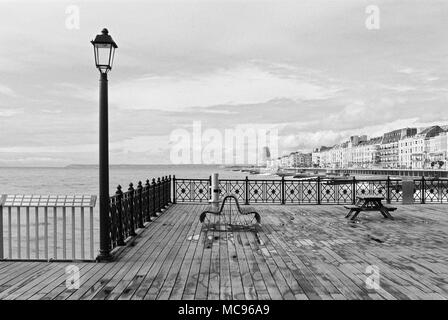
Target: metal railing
47, 228
309, 191
431, 190
131, 210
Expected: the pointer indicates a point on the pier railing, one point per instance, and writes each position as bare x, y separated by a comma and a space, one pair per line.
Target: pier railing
133, 209
310, 191
64, 228
36, 227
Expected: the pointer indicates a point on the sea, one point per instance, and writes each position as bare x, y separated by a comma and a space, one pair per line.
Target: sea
84, 179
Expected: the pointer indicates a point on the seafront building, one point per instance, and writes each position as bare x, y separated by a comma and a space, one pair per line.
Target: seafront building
293, 160
438, 150
406, 148
389, 150
299, 160
414, 149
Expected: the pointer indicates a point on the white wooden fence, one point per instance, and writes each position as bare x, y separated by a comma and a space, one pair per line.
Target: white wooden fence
35, 227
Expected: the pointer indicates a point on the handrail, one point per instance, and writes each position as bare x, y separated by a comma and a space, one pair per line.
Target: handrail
134, 209
311, 191
58, 229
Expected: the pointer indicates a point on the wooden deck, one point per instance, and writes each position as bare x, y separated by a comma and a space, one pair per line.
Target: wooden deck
301, 252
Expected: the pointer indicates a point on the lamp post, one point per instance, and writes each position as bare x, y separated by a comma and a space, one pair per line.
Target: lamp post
104, 50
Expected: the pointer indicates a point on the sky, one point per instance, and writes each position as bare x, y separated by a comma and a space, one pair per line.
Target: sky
309, 69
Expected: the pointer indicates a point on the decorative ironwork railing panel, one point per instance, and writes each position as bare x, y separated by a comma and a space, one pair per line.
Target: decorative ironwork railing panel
192, 190
395, 190
435, 191
293, 192
236, 188
418, 185
373, 187
336, 192
264, 191
310, 191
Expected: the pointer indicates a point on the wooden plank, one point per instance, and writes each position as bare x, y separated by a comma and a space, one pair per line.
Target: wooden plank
250, 241
201, 265
214, 275
158, 256
154, 247
310, 285
56, 279
163, 272
16, 269
302, 252
236, 274
187, 248
31, 285
225, 285
109, 280
14, 281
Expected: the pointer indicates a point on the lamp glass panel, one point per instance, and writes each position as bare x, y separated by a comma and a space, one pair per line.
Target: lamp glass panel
103, 52
112, 49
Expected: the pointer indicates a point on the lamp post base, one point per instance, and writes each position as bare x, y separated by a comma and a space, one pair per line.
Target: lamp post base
104, 257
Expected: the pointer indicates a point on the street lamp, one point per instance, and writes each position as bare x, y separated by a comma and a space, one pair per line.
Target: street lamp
104, 50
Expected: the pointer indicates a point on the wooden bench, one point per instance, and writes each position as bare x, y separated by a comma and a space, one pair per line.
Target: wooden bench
244, 211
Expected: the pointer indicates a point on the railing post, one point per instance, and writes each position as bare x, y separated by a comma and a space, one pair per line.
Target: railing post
165, 192
162, 193
154, 208
159, 207
131, 191
247, 190
423, 190
140, 204
1, 232
318, 190
354, 190
283, 189
388, 189
174, 189
147, 190
119, 194
169, 189
209, 188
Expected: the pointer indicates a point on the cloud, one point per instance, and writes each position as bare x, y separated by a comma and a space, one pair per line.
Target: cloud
308, 68
244, 84
406, 70
51, 149
4, 90
6, 112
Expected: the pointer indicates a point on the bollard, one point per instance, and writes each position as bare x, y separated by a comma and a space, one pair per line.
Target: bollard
408, 190
215, 190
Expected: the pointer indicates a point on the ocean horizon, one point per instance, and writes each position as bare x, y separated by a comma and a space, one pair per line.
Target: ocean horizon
83, 179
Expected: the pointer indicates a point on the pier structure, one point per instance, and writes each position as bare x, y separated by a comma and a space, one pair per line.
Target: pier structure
301, 252
304, 248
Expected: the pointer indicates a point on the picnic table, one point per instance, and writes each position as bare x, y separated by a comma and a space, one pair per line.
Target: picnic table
369, 203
